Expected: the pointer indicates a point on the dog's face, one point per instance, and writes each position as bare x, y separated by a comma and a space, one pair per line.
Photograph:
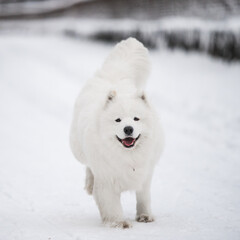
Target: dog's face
127, 131
125, 121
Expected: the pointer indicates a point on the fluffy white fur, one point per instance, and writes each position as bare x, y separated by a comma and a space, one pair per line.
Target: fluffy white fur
116, 91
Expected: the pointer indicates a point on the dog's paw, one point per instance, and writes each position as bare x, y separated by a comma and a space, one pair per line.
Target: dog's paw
119, 224
122, 224
144, 218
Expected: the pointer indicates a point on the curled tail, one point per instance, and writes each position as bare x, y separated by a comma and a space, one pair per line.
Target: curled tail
128, 60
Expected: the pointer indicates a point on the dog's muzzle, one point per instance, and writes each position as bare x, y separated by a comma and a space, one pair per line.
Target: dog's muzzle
128, 142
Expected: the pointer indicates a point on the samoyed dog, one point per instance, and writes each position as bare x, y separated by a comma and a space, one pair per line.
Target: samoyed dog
116, 133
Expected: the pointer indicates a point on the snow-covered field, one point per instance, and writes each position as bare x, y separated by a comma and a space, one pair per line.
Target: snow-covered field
196, 186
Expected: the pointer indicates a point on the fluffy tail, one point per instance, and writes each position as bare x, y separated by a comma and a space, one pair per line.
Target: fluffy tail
128, 60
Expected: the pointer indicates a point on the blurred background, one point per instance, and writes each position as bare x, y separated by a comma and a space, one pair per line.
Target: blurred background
210, 26
49, 48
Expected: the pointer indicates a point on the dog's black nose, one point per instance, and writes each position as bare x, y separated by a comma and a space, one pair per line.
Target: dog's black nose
128, 130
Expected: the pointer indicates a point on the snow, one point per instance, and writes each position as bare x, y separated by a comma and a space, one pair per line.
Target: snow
196, 185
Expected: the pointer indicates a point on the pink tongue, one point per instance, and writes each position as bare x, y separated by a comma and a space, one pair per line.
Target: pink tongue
128, 141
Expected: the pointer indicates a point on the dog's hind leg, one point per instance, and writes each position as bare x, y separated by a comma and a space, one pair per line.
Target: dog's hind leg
89, 181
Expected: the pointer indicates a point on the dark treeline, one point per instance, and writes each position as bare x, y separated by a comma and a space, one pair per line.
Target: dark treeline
217, 43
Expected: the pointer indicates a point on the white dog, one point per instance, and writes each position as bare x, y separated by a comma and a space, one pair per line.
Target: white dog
116, 133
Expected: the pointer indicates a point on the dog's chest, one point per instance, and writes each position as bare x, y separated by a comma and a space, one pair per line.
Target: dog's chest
130, 176
124, 171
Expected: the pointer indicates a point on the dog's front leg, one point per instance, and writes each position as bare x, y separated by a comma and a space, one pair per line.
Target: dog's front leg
143, 196
109, 205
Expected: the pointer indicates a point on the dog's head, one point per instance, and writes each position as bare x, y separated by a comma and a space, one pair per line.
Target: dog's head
125, 121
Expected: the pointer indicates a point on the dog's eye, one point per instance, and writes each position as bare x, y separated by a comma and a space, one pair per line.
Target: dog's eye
118, 120
136, 119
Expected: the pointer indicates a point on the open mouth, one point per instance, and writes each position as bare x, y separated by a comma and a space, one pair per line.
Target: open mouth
128, 142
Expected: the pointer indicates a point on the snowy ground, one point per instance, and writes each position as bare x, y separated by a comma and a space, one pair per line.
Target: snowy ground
196, 186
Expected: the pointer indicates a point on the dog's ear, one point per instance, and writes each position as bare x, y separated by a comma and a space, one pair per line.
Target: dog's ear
142, 96
110, 97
